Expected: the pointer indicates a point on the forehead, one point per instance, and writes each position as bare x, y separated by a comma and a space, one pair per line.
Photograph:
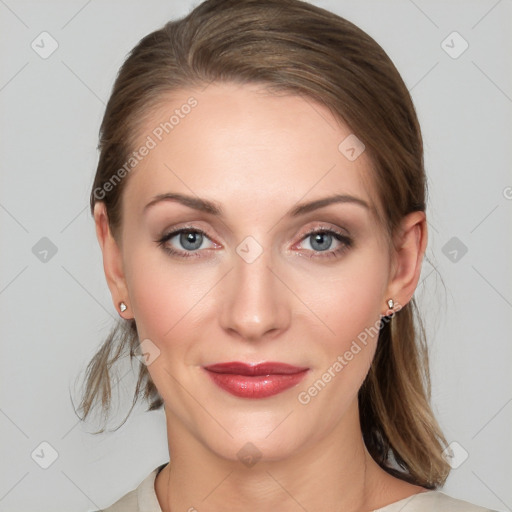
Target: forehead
236, 143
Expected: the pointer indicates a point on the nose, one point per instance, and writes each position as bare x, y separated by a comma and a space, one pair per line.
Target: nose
255, 300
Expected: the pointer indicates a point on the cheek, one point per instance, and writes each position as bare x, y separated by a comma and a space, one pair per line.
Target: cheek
344, 301
348, 305
167, 305
163, 295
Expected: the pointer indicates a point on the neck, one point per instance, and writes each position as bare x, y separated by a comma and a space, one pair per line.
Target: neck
334, 473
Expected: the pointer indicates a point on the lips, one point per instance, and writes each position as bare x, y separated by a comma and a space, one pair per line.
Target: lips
255, 380
252, 370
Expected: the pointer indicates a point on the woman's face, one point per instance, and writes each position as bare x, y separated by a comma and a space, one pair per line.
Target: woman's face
249, 282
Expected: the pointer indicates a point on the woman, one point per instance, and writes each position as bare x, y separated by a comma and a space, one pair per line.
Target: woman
260, 206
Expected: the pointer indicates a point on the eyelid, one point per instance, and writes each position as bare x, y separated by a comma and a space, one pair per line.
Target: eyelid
325, 226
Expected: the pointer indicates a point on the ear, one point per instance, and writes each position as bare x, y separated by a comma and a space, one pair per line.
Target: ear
112, 259
409, 248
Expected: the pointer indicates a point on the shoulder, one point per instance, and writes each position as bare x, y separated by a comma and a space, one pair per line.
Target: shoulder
128, 503
141, 499
430, 501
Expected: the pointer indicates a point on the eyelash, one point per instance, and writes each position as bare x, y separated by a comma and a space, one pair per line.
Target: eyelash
338, 235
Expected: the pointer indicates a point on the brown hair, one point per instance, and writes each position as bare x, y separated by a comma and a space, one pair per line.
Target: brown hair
294, 47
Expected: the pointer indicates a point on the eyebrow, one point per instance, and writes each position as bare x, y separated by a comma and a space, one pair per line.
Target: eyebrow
214, 208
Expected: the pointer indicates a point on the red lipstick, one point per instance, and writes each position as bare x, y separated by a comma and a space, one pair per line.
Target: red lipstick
255, 380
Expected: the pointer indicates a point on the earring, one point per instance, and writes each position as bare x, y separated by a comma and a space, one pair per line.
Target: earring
391, 304
123, 307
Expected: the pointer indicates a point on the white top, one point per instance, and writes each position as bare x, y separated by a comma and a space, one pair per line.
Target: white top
143, 499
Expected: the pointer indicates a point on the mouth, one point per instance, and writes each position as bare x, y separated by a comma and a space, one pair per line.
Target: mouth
255, 380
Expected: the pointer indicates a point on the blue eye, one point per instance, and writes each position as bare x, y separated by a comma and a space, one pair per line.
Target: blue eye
191, 237
324, 241
191, 240
321, 242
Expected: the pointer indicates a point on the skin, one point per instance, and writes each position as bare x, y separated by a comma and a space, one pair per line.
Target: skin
258, 155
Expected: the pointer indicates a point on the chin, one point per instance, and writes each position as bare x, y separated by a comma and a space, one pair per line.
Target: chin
271, 435
249, 448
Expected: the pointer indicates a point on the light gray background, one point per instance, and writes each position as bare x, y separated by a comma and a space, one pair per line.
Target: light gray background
55, 313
